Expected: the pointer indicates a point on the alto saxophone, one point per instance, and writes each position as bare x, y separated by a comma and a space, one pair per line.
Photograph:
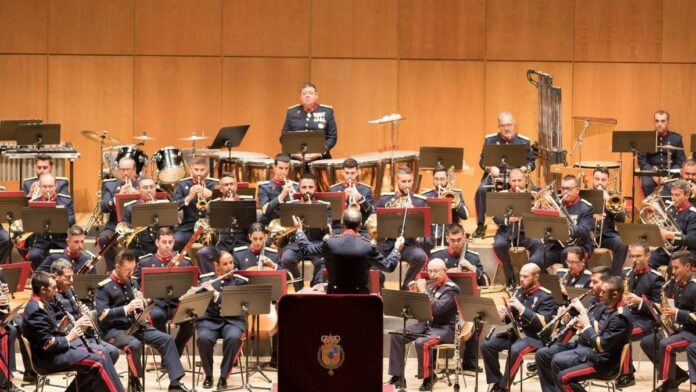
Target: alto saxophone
667, 323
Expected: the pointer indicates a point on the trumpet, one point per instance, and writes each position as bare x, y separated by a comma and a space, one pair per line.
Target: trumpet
201, 203
352, 203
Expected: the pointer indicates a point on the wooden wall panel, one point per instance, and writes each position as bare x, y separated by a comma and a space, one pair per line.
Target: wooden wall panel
23, 79
258, 91
96, 93
444, 29
282, 29
678, 96
358, 90
678, 31
354, 28
23, 26
529, 30
175, 96
618, 30
91, 26
178, 27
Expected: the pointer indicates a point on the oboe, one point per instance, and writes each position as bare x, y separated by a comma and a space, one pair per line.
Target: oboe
70, 317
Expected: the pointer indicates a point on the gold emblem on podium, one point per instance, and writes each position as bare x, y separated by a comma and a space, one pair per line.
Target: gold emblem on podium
330, 354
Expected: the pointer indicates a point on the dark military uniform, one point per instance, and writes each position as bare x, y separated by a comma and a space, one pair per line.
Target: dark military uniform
8, 338
144, 241
459, 213
39, 250
539, 307
685, 218
245, 257
348, 260
651, 160
612, 240
318, 118
52, 352
62, 185
112, 297
452, 261
366, 208
5, 246
486, 181
110, 188
184, 231
440, 330
78, 261
583, 280
268, 192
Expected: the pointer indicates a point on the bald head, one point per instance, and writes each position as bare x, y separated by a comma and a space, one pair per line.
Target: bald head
531, 268
351, 219
436, 264
529, 275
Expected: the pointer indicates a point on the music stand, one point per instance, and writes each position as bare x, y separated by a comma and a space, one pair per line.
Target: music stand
546, 228
45, 220
410, 222
160, 214
636, 232
277, 279
38, 134
8, 128
228, 137
11, 204
190, 309
168, 283
634, 142
303, 142
440, 215
508, 203
466, 282
85, 285
311, 215
16, 276
337, 201
232, 214
432, 157
504, 155
575, 292
594, 197
553, 283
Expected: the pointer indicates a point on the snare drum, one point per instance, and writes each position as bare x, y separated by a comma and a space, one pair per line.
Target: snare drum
170, 165
327, 172
370, 171
129, 151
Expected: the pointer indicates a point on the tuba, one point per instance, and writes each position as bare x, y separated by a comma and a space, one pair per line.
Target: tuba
654, 212
448, 193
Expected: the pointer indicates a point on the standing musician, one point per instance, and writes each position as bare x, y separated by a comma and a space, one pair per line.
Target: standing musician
248, 256
125, 184
118, 305
8, 338
193, 194
658, 160
356, 192
55, 351
75, 252
293, 254
531, 306
349, 256
309, 115
641, 280
44, 164
610, 237
507, 134
212, 326
682, 315
144, 241
601, 358
511, 232
404, 198
278, 190
453, 258
39, 250
442, 294
684, 215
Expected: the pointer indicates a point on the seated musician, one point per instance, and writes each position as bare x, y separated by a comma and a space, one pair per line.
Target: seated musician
581, 213
126, 184
507, 134
576, 275
309, 115
442, 294
601, 358
144, 241
404, 198
682, 316
597, 311
440, 183
278, 190
658, 160
691, 358
641, 280
249, 256
188, 193
292, 253
39, 250
118, 304
511, 232
228, 238
355, 191
531, 306
55, 351
610, 238
212, 326
164, 309
684, 215
687, 173
75, 252
452, 255
8, 338
44, 164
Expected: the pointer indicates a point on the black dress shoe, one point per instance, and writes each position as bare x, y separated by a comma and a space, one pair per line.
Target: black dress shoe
222, 383
208, 382
471, 367
427, 384
396, 380
178, 387
10, 387
29, 376
625, 381
665, 387
480, 231
135, 385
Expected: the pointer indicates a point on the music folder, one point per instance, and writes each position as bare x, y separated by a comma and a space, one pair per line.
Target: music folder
637, 232
232, 214
40, 220
540, 226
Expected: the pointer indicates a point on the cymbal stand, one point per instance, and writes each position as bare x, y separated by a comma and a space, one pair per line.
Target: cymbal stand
578, 145
97, 217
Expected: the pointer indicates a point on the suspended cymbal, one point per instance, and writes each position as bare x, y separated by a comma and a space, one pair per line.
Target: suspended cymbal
143, 138
194, 138
96, 137
669, 147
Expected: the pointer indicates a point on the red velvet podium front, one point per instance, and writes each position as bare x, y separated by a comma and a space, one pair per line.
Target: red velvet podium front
330, 343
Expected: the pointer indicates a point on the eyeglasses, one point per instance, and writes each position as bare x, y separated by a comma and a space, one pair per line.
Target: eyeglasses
568, 188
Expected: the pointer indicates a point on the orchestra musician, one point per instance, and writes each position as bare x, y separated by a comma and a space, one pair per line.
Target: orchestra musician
75, 251
453, 258
43, 164
442, 294
39, 250
682, 314
54, 351
126, 184
687, 173
118, 303
610, 237
8, 337
531, 306
507, 134
404, 198
511, 232
356, 192
309, 115
144, 241
249, 256
576, 275
658, 160
276, 191
440, 182
189, 192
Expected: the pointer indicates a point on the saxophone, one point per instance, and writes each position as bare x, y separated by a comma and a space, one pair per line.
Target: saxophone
667, 323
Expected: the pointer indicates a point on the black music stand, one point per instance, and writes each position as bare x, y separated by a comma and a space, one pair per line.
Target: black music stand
553, 283
311, 215
8, 128
232, 214
407, 222
12, 278
11, 204
440, 215
38, 134
546, 228
504, 155
244, 301
594, 197
189, 310
303, 142
229, 137
45, 220
432, 157
634, 142
277, 279
167, 283
85, 285
636, 232
337, 201
406, 305
507, 205
575, 292
482, 311
160, 214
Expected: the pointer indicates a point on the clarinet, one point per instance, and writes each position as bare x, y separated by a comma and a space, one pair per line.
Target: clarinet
84, 310
136, 295
457, 338
70, 317
567, 327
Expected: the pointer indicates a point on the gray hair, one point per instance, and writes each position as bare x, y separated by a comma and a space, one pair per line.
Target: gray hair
58, 266
505, 115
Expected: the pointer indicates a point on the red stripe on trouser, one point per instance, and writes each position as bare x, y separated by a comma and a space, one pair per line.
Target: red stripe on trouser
131, 364
637, 331
4, 366
500, 262
580, 372
236, 356
517, 363
102, 372
426, 356
668, 353
626, 365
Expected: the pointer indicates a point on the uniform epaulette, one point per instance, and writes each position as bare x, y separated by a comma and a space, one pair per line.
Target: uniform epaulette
215, 199
213, 179
627, 268
269, 249
186, 178
545, 290
471, 251
29, 179
586, 202
144, 256
206, 275
387, 194
237, 249
326, 106
490, 135
245, 197
336, 184
417, 196
654, 272
426, 190
104, 282
457, 190
68, 196
126, 204
450, 283
521, 136
367, 185
692, 209
110, 179
63, 178
587, 272
620, 310
56, 251
90, 253
262, 182
293, 106
437, 249
244, 278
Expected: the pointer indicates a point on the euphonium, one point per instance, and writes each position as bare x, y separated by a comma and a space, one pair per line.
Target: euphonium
448, 193
655, 212
202, 203
615, 203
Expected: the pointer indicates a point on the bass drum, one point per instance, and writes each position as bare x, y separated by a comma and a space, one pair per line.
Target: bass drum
129, 151
170, 165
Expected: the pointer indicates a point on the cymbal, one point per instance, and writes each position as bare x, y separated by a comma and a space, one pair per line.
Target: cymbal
669, 147
143, 138
194, 138
96, 137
